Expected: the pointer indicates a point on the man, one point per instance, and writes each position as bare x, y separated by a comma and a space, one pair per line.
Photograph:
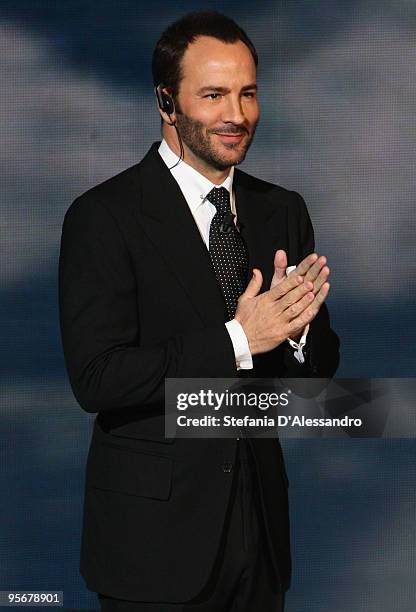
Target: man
177, 268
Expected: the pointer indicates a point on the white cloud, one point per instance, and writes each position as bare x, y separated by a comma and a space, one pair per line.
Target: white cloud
64, 132
349, 111
345, 141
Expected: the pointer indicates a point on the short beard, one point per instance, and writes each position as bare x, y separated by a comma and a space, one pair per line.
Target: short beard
193, 135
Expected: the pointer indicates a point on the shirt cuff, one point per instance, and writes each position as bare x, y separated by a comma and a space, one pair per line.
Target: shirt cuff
243, 358
298, 346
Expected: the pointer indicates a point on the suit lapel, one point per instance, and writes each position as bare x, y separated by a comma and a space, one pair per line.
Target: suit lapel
169, 224
262, 222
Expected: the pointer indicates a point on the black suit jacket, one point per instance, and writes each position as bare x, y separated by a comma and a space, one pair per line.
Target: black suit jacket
139, 302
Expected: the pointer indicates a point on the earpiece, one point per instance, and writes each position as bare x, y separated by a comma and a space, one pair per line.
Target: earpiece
167, 105
164, 100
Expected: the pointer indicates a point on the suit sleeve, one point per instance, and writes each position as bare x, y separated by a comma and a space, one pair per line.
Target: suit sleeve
108, 367
322, 346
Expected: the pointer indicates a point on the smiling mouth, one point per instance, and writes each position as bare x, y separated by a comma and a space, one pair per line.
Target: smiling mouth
228, 136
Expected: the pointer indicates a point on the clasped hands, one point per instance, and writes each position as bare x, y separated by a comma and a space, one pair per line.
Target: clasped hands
287, 307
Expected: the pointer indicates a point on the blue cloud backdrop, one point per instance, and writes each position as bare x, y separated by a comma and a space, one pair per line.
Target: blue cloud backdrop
337, 89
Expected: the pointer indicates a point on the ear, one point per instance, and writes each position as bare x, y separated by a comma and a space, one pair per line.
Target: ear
166, 105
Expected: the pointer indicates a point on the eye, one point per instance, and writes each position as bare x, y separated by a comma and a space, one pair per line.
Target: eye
249, 94
213, 96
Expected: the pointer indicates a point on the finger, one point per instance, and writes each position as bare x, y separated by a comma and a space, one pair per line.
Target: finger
299, 322
279, 290
322, 295
294, 296
302, 268
254, 285
320, 298
314, 270
322, 278
298, 307
280, 265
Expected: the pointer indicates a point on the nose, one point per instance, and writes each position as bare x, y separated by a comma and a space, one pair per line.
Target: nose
233, 111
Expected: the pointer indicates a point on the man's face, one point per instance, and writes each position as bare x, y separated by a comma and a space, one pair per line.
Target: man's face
218, 109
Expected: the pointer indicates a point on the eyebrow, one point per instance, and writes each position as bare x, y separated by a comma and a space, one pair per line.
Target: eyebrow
216, 89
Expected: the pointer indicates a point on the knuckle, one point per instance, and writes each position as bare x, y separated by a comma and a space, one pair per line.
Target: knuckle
304, 319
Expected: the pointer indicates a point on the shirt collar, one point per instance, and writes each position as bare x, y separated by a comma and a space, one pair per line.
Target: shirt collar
194, 185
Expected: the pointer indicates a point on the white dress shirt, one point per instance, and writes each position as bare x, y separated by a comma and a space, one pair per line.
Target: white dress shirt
195, 188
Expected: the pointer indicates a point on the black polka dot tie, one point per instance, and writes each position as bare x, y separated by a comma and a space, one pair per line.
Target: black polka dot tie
227, 250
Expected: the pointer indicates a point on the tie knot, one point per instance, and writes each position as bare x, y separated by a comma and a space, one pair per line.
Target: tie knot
220, 197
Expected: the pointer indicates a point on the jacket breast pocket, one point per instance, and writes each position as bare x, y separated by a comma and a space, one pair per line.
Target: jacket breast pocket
126, 471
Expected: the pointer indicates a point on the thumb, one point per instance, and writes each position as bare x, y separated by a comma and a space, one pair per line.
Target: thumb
254, 285
280, 264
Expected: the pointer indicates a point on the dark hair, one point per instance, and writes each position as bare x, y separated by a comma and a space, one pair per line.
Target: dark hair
171, 47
